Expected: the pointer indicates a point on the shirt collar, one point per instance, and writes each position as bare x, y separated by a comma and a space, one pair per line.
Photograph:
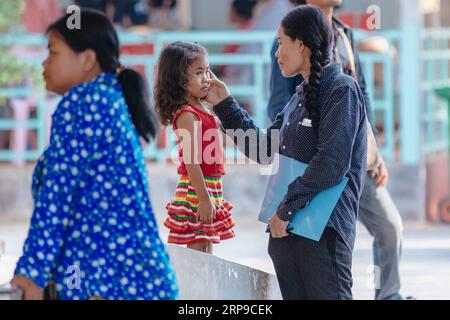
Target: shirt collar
325, 74
329, 71
106, 78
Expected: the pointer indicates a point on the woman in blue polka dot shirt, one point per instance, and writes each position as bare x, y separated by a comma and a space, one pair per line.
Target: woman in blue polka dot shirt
93, 230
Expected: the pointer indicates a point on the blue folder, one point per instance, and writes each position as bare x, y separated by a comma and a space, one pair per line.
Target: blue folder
309, 222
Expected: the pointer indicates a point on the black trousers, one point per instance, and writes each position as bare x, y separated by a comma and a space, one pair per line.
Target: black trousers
310, 270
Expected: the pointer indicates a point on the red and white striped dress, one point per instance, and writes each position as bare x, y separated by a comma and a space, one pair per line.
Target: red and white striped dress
185, 227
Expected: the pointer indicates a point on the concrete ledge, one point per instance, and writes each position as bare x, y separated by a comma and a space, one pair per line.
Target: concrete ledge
244, 186
203, 276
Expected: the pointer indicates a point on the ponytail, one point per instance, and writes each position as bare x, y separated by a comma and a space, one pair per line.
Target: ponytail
135, 92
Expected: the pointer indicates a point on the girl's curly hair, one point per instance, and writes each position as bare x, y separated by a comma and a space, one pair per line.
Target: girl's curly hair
170, 89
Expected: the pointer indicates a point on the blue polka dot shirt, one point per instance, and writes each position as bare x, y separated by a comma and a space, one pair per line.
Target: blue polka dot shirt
93, 230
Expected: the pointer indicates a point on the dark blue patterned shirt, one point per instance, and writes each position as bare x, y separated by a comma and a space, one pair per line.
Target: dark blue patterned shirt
334, 151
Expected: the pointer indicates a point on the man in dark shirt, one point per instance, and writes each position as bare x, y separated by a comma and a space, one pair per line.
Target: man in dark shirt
131, 12
377, 211
124, 12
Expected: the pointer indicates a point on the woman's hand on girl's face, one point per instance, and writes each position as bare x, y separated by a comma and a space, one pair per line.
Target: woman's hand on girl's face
218, 90
31, 291
206, 211
278, 227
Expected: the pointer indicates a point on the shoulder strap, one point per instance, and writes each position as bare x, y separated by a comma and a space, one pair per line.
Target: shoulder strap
350, 53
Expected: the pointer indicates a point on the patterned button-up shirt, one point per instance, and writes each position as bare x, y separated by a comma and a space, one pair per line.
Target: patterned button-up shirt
334, 151
93, 230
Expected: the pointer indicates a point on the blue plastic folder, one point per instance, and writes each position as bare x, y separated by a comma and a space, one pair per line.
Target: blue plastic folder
311, 221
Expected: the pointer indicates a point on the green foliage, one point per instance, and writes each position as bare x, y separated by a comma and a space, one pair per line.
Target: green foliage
10, 14
12, 71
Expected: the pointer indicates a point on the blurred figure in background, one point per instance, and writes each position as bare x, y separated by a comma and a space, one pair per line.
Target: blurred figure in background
164, 15
241, 13
129, 13
269, 13
241, 16
267, 17
37, 15
100, 5
125, 13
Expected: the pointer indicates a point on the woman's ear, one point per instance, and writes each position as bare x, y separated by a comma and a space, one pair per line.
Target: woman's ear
300, 46
89, 60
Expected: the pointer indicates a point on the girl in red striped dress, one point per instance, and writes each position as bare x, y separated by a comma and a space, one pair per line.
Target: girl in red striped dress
198, 216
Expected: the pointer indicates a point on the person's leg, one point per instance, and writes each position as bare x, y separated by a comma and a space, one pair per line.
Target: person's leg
200, 246
208, 247
341, 257
326, 267
378, 213
288, 274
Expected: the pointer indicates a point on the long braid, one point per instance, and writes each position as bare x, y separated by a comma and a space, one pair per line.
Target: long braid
313, 87
318, 61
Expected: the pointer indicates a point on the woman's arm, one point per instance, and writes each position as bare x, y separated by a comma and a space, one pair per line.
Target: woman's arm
258, 145
188, 131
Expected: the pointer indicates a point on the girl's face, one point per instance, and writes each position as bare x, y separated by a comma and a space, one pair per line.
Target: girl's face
65, 68
293, 56
198, 83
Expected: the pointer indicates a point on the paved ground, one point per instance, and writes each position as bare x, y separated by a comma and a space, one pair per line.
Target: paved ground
425, 265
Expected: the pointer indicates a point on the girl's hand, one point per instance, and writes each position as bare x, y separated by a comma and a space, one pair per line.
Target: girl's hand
218, 90
206, 211
278, 227
31, 291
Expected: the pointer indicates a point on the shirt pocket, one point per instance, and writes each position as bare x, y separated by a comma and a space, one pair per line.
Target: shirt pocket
306, 133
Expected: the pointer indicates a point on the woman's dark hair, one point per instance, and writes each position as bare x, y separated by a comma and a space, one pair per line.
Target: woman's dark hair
311, 26
172, 77
98, 34
244, 8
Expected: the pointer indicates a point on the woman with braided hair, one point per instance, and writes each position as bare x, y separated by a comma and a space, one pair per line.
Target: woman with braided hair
324, 125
